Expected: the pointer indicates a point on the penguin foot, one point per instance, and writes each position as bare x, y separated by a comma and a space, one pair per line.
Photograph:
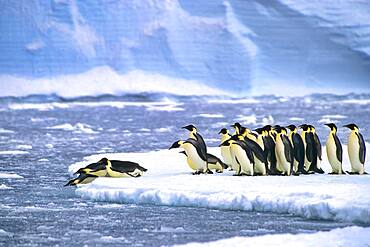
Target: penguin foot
209, 172
353, 173
219, 171
196, 173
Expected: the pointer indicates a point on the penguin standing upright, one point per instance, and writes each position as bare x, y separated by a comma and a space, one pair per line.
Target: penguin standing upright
270, 149
334, 150
225, 150
242, 156
356, 150
195, 157
284, 152
237, 126
298, 149
196, 136
311, 155
318, 148
260, 161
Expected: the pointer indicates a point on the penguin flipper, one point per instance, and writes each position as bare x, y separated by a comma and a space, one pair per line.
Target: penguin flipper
339, 149
362, 148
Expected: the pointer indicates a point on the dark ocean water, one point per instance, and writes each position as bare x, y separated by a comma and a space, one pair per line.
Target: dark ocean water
40, 136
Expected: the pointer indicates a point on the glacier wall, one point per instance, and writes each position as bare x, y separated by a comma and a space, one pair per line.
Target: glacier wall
239, 47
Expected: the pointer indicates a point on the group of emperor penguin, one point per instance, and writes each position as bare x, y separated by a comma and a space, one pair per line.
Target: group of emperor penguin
271, 150
107, 168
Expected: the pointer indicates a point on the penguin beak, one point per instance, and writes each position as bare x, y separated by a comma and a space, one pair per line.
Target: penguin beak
175, 145
220, 132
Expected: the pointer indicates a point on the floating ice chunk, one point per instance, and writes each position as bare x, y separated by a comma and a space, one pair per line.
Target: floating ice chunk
4, 187
208, 115
24, 146
5, 131
13, 152
77, 128
9, 175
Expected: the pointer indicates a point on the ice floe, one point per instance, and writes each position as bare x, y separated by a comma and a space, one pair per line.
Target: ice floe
9, 175
348, 236
13, 152
169, 182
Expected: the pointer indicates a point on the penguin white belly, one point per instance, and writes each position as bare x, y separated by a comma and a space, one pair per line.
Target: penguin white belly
191, 164
226, 155
295, 165
331, 151
354, 154
283, 165
192, 154
245, 165
100, 173
259, 167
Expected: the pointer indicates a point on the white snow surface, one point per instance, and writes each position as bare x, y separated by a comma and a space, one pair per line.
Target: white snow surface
169, 182
348, 236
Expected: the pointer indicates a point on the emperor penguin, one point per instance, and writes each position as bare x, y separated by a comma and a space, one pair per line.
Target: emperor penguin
284, 151
248, 134
356, 150
121, 169
83, 178
260, 159
196, 136
225, 150
298, 149
242, 155
237, 126
97, 169
196, 159
334, 150
213, 162
270, 149
318, 148
311, 155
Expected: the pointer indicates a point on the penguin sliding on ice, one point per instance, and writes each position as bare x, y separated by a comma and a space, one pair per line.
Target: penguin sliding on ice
83, 178
356, 150
97, 169
120, 169
334, 150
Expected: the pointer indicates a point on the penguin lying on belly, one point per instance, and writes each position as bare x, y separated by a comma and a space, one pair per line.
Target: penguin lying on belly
107, 168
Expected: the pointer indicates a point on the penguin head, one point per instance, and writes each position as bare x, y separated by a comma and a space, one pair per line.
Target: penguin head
267, 127
190, 127
223, 131
176, 144
332, 126
104, 161
278, 129
72, 182
304, 127
351, 126
292, 127
312, 128
259, 130
237, 126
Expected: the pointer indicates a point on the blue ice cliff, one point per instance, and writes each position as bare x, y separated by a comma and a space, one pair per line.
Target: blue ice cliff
241, 47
